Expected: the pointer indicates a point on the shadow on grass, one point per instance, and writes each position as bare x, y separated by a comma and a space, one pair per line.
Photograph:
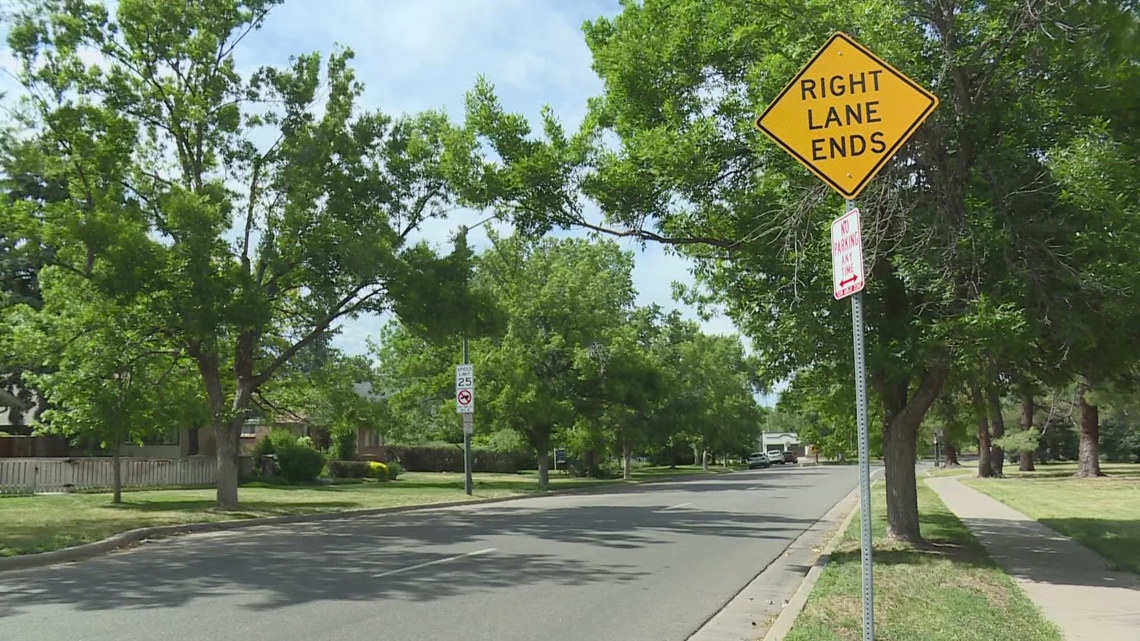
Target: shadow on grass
248, 508
947, 539
1117, 540
1130, 471
933, 552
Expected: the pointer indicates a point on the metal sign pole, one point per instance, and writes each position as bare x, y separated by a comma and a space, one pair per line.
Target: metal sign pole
864, 461
466, 436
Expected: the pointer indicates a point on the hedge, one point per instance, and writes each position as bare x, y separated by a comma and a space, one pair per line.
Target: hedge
427, 458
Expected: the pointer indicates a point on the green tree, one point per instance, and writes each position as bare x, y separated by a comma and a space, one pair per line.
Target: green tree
328, 390
110, 374
245, 252
416, 379
718, 379
945, 223
623, 386
21, 258
561, 298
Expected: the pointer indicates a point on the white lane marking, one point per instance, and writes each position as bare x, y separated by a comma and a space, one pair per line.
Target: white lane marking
424, 565
758, 487
671, 507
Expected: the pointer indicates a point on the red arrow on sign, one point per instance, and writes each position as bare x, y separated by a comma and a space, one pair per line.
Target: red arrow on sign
464, 397
847, 281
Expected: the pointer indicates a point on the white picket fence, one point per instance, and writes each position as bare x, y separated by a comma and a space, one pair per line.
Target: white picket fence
52, 475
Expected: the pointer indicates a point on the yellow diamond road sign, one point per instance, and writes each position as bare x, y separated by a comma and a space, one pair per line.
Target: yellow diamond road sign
846, 114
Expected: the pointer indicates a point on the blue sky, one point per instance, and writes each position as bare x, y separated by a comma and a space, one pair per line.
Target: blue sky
427, 54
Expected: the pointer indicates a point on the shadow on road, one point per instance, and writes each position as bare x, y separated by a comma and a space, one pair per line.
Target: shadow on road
269, 568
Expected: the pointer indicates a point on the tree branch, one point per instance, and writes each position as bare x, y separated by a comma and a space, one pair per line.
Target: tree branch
343, 307
642, 234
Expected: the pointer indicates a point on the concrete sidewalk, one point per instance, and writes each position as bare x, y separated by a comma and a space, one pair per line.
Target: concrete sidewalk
1070, 583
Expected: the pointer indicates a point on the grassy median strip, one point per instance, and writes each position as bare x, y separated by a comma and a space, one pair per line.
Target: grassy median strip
30, 524
1102, 513
949, 592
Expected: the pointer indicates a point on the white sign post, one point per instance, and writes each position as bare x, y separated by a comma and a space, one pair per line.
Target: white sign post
465, 405
465, 389
847, 278
847, 255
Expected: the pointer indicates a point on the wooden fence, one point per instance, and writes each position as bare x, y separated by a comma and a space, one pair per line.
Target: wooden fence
53, 475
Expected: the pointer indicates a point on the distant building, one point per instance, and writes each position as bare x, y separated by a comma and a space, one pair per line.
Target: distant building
783, 441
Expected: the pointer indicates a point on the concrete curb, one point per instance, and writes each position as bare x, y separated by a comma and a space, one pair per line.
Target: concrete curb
737, 619
123, 539
783, 624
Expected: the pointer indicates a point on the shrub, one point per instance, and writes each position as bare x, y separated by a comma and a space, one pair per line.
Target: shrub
449, 458
377, 470
394, 470
344, 444
276, 439
348, 469
300, 464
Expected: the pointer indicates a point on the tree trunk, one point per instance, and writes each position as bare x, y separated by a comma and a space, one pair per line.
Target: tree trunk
900, 445
997, 422
1026, 457
627, 461
705, 460
951, 456
899, 448
227, 437
1089, 453
985, 468
226, 452
192, 447
543, 469
117, 480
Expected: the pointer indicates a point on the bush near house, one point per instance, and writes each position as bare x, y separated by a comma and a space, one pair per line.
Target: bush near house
364, 469
297, 460
378, 470
394, 470
348, 469
299, 463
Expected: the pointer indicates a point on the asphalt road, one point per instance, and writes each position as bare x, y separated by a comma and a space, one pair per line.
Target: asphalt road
646, 563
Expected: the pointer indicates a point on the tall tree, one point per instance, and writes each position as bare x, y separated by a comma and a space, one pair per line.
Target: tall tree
623, 385
111, 375
562, 299
22, 256
416, 379
245, 252
683, 82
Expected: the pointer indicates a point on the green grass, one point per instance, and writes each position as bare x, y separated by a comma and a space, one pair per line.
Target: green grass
965, 470
949, 592
1101, 513
30, 524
